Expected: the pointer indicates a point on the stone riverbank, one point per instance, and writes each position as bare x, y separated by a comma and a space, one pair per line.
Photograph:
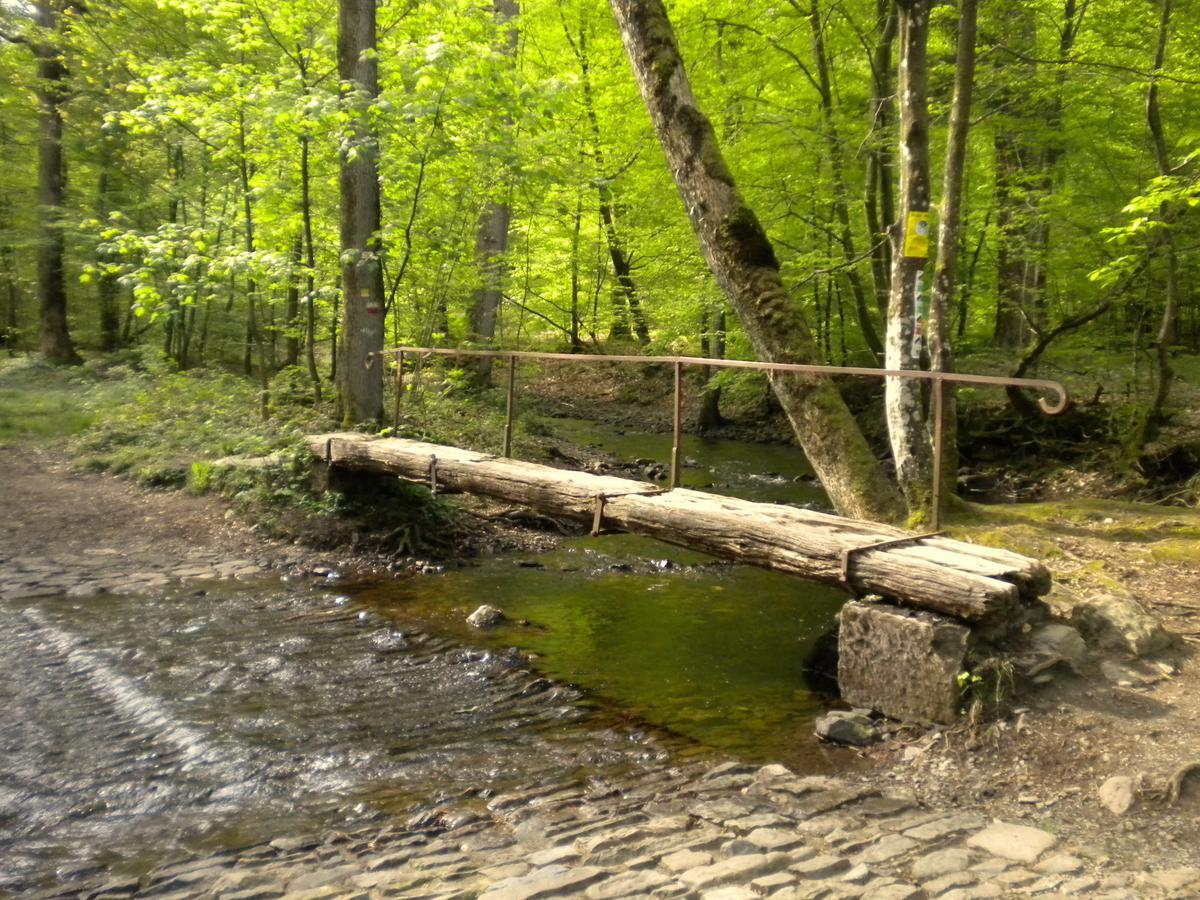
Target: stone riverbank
715, 832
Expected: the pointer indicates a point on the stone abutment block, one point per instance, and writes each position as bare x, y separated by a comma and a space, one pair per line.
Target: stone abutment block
902, 663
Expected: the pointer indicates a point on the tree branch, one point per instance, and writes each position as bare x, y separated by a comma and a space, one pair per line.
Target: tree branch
15, 38
774, 43
1095, 63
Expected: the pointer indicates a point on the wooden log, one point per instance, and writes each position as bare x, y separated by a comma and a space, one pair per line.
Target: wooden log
976, 584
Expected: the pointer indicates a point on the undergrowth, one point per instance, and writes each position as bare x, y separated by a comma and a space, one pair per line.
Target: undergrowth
135, 416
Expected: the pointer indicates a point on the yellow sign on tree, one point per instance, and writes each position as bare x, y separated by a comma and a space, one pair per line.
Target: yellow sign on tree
916, 235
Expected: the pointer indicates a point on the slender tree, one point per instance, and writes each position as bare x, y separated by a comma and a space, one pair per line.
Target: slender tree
941, 352
1169, 322
491, 238
360, 373
841, 193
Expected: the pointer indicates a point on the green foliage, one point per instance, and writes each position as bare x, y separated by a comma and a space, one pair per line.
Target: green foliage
41, 401
174, 102
200, 479
987, 690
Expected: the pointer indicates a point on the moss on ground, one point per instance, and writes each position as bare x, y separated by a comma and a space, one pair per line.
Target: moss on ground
1089, 544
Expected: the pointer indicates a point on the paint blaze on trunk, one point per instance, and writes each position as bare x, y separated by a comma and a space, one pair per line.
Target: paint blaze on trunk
904, 399
360, 378
741, 257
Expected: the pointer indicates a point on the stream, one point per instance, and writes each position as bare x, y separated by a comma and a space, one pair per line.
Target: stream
137, 730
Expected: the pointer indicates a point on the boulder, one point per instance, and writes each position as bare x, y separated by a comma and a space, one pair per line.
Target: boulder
902, 663
486, 617
1062, 641
847, 727
1113, 622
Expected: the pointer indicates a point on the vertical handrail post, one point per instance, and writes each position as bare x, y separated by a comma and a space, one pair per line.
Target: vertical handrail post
399, 389
939, 386
677, 426
510, 405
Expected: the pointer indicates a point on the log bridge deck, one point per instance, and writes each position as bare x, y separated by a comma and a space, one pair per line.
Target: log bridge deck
978, 585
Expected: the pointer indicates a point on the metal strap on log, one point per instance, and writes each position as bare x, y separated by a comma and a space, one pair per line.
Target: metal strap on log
598, 515
850, 553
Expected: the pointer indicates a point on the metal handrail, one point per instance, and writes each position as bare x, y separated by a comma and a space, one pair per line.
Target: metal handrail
939, 379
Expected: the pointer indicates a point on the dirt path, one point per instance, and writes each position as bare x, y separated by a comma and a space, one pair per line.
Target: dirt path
69, 532
917, 826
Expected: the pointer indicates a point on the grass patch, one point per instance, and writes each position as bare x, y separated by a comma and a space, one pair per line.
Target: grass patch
42, 402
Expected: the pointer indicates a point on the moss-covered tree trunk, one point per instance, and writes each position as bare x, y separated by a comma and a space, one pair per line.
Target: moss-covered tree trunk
742, 259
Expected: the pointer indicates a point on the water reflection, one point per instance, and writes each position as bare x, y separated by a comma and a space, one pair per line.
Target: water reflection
711, 651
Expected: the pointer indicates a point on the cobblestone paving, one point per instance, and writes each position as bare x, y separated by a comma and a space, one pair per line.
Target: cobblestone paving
726, 832
106, 570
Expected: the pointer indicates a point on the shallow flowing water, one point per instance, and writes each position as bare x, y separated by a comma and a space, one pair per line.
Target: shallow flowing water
714, 652
134, 730
772, 473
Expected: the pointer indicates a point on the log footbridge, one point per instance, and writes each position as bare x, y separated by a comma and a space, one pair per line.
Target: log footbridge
901, 656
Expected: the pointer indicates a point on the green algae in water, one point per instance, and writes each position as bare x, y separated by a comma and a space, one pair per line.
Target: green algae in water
714, 652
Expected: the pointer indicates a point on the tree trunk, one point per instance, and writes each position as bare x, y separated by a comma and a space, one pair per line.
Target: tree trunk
253, 331
741, 257
172, 324
880, 203
1168, 325
576, 229
941, 352
491, 252
712, 345
11, 322
360, 374
310, 271
628, 316
491, 239
51, 90
107, 286
1010, 328
841, 204
904, 401
291, 310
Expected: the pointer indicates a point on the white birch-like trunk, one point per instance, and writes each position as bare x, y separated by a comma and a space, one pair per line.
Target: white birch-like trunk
904, 397
941, 353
